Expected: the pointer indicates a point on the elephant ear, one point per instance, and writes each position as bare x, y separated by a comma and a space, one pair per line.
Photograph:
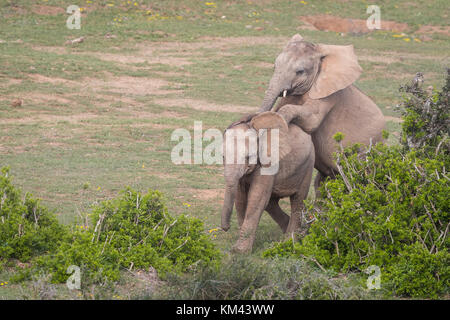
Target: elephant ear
295, 38
338, 70
271, 120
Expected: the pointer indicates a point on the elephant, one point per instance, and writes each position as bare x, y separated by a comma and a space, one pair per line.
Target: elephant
251, 189
315, 83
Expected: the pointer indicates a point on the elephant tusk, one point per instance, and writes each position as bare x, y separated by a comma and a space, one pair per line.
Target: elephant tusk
284, 93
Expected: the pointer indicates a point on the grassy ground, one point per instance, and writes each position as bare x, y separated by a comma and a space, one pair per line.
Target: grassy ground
97, 116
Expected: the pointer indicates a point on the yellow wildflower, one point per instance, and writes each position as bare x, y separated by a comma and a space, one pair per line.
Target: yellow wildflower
303, 2
407, 39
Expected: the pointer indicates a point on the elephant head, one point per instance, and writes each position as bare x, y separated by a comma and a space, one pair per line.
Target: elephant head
244, 145
316, 69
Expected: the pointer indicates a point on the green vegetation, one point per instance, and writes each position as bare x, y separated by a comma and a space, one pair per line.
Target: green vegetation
132, 231
27, 228
390, 208
247, 278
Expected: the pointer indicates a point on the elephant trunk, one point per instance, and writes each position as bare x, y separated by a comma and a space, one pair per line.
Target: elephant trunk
228, 203
275, 88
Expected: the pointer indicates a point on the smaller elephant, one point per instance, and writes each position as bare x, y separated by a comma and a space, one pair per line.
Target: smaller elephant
251, 189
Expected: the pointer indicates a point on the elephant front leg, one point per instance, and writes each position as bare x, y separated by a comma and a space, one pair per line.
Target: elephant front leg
241, 203
307, 116
257, 200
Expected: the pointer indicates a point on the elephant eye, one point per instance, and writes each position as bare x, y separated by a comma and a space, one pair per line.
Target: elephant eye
300, 72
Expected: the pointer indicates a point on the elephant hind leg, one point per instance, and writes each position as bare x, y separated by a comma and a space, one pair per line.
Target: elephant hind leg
277, 214
296, 199
320, 177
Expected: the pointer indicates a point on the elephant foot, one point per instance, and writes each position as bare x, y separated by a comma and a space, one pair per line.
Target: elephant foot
241, 248
291, 235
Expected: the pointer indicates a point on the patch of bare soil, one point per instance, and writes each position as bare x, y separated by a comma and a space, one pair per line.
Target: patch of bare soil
264, 65
130, 85
378, 58
203, 105
143, 282
331, 23
177, 53
43, 79
445, 30
42, 97
207, 194
143, 54
57, 50
74, 118
48, 10
393, 119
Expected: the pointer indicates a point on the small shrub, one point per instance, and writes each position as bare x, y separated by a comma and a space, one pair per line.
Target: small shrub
426, 116
27, 228
132, 231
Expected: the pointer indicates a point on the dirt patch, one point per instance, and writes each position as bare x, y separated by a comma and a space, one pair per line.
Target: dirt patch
207, 194
47, 10
130, 85
75, 118
203, 105
147, 55
42, 97
445, 30
57, 50
264, 65
378, 58
336, 24
43, 79
393, 119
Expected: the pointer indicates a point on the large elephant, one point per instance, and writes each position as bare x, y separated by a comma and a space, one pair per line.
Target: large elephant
252, 190
315, 82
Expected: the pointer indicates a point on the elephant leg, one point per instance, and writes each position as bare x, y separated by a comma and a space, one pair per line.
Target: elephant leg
277, 214
296, 199
317, 183
241, 203
258, 197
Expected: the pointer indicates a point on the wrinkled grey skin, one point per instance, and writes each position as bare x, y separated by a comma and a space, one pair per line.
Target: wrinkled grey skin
320, 98
252, 193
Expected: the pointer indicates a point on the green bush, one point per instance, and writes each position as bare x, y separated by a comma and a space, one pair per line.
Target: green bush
426, 116
27, 229
132, 231
389, 208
